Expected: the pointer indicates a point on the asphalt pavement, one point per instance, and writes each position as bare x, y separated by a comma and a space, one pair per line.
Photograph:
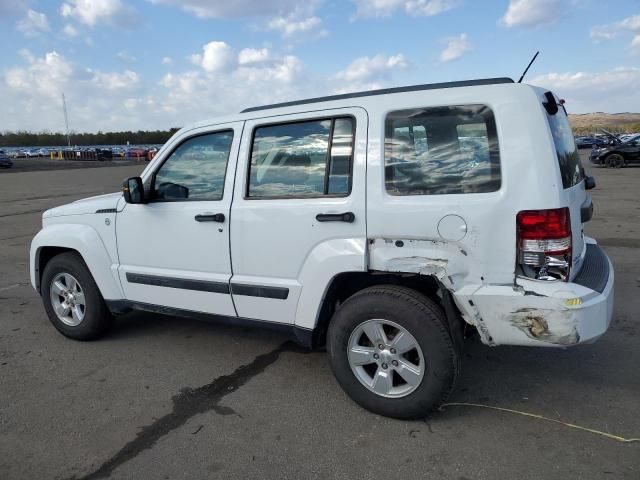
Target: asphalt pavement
172, 398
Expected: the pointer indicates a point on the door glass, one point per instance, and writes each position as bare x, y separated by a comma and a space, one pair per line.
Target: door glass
302, 159
195, 170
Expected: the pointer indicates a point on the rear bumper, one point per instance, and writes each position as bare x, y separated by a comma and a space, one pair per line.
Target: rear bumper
539, 313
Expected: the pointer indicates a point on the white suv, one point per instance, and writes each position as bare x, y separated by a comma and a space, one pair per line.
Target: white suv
380, 224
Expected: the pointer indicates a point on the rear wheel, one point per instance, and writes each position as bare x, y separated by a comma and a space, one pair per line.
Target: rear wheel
391, 351
72, 299
614, 160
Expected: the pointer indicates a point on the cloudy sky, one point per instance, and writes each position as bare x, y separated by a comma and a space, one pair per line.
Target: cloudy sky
148, 64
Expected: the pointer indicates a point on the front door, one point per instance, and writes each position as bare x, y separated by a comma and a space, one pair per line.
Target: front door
298, 215
174, 250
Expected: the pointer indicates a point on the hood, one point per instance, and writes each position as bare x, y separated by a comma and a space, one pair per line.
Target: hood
86, 205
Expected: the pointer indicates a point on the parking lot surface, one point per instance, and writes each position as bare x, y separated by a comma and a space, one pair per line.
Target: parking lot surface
165, 397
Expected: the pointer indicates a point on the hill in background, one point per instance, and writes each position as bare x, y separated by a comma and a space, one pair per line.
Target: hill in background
588, 123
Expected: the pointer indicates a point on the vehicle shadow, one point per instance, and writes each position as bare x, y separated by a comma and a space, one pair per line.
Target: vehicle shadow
514, 377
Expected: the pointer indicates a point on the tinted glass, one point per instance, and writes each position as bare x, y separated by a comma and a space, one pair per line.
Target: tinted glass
568, 157
341, 155
441, 150
294, 159
195, 170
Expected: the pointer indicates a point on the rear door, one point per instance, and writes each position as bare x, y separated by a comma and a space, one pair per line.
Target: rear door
572, 175
298, 213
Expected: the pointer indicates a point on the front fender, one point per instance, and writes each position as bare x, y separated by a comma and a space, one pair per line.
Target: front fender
86, 241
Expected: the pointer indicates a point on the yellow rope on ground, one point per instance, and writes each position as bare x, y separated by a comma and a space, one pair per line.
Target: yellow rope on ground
541, 417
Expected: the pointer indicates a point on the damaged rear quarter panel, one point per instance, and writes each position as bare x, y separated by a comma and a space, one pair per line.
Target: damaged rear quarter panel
445, 260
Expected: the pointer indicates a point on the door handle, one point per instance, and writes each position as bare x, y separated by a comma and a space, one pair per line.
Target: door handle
210, 217
348, 217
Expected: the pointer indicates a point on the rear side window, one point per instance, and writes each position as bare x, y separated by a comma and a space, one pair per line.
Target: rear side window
302, 159
568, 157
441, 150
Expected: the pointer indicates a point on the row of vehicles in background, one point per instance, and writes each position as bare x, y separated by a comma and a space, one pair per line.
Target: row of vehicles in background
619, 151
100, 153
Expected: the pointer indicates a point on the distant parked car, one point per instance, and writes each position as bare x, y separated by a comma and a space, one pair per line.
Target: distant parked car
104, 154
5, 161
151, 153
137, 152
590, 142
618, 155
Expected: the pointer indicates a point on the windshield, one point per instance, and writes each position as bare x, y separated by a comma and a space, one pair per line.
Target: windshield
568, 157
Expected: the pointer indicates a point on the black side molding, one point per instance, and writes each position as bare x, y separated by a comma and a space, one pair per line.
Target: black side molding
279, 293
185, 284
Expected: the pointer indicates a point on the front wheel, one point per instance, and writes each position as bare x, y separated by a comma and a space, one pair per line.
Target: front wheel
392, 352
72, 299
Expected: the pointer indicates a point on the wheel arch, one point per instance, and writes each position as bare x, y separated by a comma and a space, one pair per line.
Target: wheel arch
83, 240
346, 284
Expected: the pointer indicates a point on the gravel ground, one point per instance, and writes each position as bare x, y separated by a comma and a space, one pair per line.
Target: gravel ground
165, 397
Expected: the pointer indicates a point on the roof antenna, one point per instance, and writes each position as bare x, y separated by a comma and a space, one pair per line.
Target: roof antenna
528, 67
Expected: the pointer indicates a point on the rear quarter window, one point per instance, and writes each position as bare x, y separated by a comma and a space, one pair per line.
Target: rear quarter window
441, 150
568, 158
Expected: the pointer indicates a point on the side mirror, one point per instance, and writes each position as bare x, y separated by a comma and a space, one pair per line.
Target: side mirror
133, 190
589, 183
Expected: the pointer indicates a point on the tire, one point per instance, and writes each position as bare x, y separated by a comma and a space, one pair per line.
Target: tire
69, 271
614, 161
435, 356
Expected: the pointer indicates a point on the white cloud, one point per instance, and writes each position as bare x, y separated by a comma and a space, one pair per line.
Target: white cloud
70, 31
532, 13
45, 76
215, 56
252, 55
96, 99
167, 60
126, 57
295, 25
366, 68
33, 23
114, 80
258, 77
612, 30
233, 8
383, 8
94, 12
609, 91
456, 47
635, 45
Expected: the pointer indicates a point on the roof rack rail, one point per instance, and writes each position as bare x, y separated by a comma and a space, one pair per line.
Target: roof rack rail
385, 91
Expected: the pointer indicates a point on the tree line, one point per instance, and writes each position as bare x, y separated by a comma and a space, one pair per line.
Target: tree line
51, 139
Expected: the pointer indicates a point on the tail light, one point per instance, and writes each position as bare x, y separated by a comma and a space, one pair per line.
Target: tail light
544, 243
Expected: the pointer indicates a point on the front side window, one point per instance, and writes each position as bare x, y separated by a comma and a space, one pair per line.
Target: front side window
441, 150
302, 159
195, 170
